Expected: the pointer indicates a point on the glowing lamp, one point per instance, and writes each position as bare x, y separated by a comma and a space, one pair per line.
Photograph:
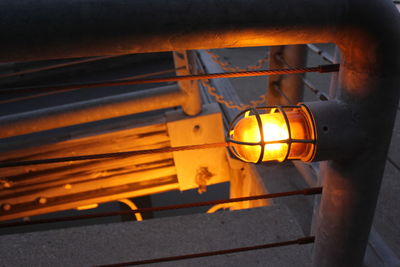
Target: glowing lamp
273, 134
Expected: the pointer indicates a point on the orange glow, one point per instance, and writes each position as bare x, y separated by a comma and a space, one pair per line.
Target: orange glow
275, 128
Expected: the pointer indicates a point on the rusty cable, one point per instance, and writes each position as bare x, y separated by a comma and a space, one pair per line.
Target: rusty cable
55, 66
7, 164
320, 95
320, 68
307, 191
299, 241
48, 93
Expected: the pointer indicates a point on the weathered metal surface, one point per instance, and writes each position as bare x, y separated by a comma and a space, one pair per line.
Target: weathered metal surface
184, 63
47, 29
246, 181
33, 190
199, 168
244, 177
338, 136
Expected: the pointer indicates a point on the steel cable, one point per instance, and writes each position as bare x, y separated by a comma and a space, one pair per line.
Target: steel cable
55, 66
48, 93
320, 95
307, 191
8, 164
299, 241
320, 68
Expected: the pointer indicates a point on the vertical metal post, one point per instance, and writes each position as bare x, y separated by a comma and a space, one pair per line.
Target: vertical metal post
369, 84
182, 61
286, 89
332, 95
334, 76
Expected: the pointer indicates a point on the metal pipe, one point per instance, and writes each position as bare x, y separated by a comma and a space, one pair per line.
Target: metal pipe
368, 84
183, 61
334, 76
47, 29
290, 85
368, 79
91, 110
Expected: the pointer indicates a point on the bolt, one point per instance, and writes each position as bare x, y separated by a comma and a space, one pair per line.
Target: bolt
203, 175
67, 186
197, 129
5, 184
42, 200
6, 207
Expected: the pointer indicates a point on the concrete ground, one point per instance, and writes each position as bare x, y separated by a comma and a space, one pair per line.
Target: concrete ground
132, 241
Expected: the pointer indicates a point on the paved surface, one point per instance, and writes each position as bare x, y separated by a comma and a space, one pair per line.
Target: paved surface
130, 241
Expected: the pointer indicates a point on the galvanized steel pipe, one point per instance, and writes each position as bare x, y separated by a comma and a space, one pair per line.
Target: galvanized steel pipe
366, 31
292, 86
91, 110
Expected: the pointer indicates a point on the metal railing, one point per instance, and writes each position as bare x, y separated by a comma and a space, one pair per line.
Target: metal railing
350, 186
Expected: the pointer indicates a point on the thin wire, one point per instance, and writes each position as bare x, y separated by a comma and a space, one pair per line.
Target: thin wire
306, 192
393, 163
320, 68
69, 90
299, 241
55, 66
324, 55
307, 83
320, 95
261, 100
151, 74
7, 164
277, 88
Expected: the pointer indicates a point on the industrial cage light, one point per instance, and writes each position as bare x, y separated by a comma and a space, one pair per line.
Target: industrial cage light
273, 133
311, 131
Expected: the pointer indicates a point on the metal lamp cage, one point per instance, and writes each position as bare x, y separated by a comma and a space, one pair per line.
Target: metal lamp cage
257, 112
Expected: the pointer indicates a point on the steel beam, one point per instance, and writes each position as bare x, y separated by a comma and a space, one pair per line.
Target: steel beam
183, 61
48, 29
366, 31
286, 89
91, 110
